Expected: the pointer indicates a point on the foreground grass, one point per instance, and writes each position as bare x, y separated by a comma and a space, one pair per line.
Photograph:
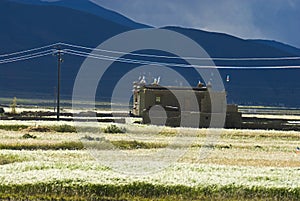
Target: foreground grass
66, 190
7, 159
72, 175
54, 165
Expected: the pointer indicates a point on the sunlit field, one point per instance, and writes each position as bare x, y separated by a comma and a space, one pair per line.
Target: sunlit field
50, 161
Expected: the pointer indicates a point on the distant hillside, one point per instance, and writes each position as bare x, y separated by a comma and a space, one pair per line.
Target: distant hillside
260, 87
224, 45
28, 26
34, 24
88, 7
280, 46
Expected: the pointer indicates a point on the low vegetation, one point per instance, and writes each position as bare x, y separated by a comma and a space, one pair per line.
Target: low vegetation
27, 136
114, 129
168, 132
61, 128
64, 128
122, 144
125, 144
41, 164
14, 127
38, 129
68, 190
7, 159
42, 146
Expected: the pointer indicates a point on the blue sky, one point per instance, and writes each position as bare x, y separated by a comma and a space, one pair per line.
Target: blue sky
264, 19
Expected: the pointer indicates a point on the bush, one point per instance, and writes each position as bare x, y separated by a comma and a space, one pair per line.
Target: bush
72, 145
38, 129
113, 129
129, 145
89, 138
28, 136
64, 129
13, 127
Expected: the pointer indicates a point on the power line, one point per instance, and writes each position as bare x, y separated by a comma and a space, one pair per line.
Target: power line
25, 58
153, 55
176, 57
27, 55
257, 67
28, 50
144, 62
136, 61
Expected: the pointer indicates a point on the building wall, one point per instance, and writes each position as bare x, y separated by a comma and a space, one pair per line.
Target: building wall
200, 107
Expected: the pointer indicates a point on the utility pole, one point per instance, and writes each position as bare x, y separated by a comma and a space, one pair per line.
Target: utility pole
54, 99
59, 61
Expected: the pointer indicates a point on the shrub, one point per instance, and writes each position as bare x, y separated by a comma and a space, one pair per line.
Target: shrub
65, 129
38, 129
168, 132
128, 145
27, 136
13, 127
72, 145
89, 138
62, 128
113, 129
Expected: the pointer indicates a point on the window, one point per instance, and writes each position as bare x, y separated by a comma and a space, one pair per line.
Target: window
157, 99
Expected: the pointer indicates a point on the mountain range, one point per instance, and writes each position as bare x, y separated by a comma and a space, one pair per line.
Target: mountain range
34, 23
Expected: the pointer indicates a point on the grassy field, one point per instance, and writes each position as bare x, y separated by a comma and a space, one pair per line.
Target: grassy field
50, 161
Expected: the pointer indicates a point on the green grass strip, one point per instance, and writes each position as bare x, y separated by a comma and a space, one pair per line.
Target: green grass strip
13, 127
70, 190
56, 146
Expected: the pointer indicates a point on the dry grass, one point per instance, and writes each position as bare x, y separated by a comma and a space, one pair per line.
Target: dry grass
233, 156
232, 146
236, 161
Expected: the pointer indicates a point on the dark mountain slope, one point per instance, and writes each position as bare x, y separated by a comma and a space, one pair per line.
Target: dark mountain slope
28, 26
278, 45
88, 7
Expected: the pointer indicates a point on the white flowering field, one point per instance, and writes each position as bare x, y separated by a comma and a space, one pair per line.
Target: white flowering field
55, 165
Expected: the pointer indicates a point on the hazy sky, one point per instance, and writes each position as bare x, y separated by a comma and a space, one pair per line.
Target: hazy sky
266, 19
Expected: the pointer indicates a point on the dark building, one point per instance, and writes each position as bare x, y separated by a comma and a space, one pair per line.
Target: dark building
179, 106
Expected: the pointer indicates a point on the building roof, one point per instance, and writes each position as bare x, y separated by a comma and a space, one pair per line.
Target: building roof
158, 87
